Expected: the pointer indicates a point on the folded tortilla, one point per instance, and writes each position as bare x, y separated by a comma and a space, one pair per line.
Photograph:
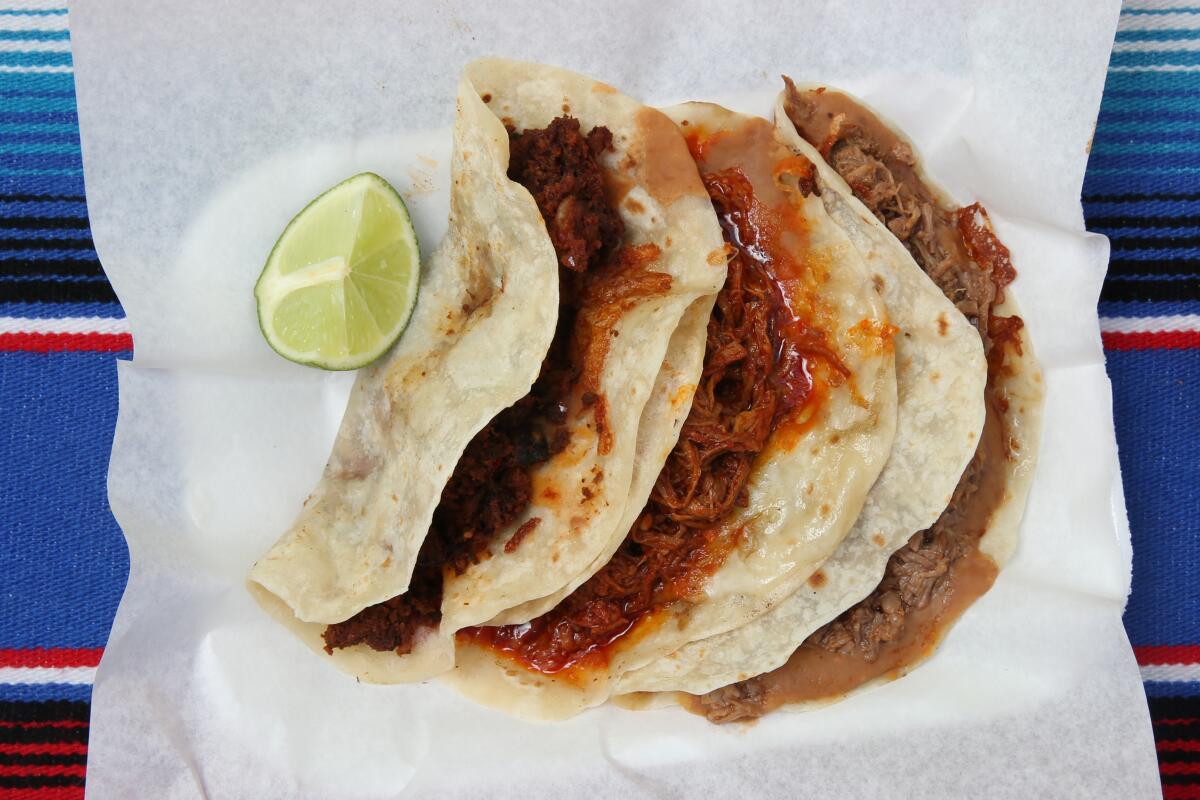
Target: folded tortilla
880, 611
805, 486
332, 566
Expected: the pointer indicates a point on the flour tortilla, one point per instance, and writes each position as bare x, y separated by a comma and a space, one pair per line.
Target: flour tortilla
941, 375
788, 530
664, 204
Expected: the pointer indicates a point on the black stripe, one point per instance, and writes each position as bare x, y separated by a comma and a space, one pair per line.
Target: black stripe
1179, 756
1174, 707
31, 267
44, 711
73, 242
1180, 780
42, 735
1123, 198
37, 781
38, 198
44, 223
1118, 242
1125, 291
1181, 221
42, 291
1127, 266
43, 759
1187, 730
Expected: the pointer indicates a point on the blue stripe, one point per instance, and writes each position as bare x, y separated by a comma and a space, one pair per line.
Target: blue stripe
56, 278
37, 81
58, 208
1138, 208
1154, 58
1172, 688
42, 234
46, 691
36, 104
1116, 181
70, 182
1139, 116
1150, 11
1152, 253
1156, 147
1157, 415
1111, 277
59, 311
28, 59
55, 457
33, 256
32, 132
34, 36
1147, 309
1160, 35
1136, 124
41, 117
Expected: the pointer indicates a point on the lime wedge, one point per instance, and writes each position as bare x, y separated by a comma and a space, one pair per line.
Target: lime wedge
341, 282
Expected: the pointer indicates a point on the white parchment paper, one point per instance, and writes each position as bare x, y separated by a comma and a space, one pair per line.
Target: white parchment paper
206, 126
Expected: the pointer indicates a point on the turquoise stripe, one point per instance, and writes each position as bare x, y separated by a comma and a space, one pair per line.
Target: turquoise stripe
1163, 35
34, 36
37, 104
1153, 81
19, 128
34, 173
1154, 58
25, 59
1156, 11
37, 82
35, 147
31, 12
1150, 103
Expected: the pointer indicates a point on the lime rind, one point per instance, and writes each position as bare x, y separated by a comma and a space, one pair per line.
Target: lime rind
340, 284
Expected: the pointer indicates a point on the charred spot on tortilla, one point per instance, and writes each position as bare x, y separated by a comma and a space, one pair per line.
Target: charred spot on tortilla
759, 363
933, 578
491, 486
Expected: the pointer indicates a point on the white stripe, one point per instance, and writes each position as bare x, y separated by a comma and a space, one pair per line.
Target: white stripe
26, 676
1158, 68
1167, 324
64, 325
1158, 5
1119, 47
52, 46
1158, 22
33, 22
1171, 672
56, 68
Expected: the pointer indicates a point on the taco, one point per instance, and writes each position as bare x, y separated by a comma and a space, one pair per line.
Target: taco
875, 618
487, 461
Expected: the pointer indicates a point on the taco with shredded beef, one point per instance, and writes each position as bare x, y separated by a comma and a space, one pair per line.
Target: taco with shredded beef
487, 460
790, 425
882, 604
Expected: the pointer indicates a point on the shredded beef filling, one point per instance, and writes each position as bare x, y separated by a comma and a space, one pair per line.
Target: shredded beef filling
959, 251
753, 375
490, 487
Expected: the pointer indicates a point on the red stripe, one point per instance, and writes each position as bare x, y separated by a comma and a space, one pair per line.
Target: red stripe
1151, 340
1179, 768
1177, 721
42, 770
74, 723
59, 342
1175, 745
51, 657
1183, 792
46, 793
1170, 654
43, 748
